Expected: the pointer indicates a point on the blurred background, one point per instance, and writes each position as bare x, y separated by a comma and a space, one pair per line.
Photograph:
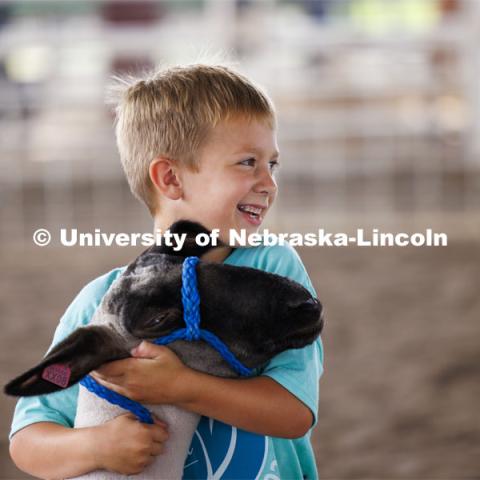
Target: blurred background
379, 127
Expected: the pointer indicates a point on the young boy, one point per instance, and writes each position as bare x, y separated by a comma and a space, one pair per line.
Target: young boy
196, 142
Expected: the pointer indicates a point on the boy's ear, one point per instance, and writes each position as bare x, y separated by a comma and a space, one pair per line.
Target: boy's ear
81, 352
165, 178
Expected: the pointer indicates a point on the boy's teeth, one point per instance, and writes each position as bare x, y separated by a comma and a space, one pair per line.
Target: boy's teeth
250, 209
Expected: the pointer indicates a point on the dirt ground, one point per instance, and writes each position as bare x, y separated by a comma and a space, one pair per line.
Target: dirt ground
399, 398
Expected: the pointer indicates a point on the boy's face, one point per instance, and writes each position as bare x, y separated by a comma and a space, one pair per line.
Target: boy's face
235, 185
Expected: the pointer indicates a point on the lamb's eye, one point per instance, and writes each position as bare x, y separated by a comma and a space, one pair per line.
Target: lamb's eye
154, 321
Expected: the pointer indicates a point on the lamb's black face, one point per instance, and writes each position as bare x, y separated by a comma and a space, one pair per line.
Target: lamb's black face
257, 314
148, 300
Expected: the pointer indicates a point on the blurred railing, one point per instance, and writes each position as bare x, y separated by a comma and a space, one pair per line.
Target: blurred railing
377, 120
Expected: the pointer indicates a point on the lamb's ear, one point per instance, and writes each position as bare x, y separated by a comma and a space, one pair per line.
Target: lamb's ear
68, 362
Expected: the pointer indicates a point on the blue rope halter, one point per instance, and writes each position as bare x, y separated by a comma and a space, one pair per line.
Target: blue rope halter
191, 332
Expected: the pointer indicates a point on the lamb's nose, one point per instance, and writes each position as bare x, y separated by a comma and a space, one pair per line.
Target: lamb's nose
310, 304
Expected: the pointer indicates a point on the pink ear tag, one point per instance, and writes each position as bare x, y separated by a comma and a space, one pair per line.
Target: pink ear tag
58, 374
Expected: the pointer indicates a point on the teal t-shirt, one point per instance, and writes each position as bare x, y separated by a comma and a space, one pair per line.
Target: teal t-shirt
218, 450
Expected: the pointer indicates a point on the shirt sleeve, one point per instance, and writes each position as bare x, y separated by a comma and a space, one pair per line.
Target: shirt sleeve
60, 407
298, 370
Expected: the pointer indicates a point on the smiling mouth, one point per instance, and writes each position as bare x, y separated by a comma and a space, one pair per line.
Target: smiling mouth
254, 212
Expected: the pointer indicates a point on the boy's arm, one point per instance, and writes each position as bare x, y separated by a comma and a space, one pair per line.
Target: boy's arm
50, 450
259, 405
122, 445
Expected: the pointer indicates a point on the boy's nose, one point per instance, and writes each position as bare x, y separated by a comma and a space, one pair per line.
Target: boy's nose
266, 183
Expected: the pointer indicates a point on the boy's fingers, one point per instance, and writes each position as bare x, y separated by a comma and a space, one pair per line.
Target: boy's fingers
148, 350
159, 422
157, 449
131, 415
159, 434
113, 369
113, 386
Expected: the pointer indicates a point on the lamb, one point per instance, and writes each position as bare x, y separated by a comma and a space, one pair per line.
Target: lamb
145, 303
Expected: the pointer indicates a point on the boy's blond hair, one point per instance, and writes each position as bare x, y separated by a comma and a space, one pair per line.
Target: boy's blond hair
171, 113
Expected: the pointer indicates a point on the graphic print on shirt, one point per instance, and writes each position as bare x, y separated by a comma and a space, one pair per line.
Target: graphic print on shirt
221, 451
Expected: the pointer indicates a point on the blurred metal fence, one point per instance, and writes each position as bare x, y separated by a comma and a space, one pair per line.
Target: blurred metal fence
378, 111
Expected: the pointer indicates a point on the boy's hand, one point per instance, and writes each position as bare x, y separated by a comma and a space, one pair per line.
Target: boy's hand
126, 446
154, 376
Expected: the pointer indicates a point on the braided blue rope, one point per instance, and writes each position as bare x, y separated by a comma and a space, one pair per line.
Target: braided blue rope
142, 413
191, 315
192, 332
191, 299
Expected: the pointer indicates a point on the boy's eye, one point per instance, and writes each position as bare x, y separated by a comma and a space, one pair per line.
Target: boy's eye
274, 165
250, 162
